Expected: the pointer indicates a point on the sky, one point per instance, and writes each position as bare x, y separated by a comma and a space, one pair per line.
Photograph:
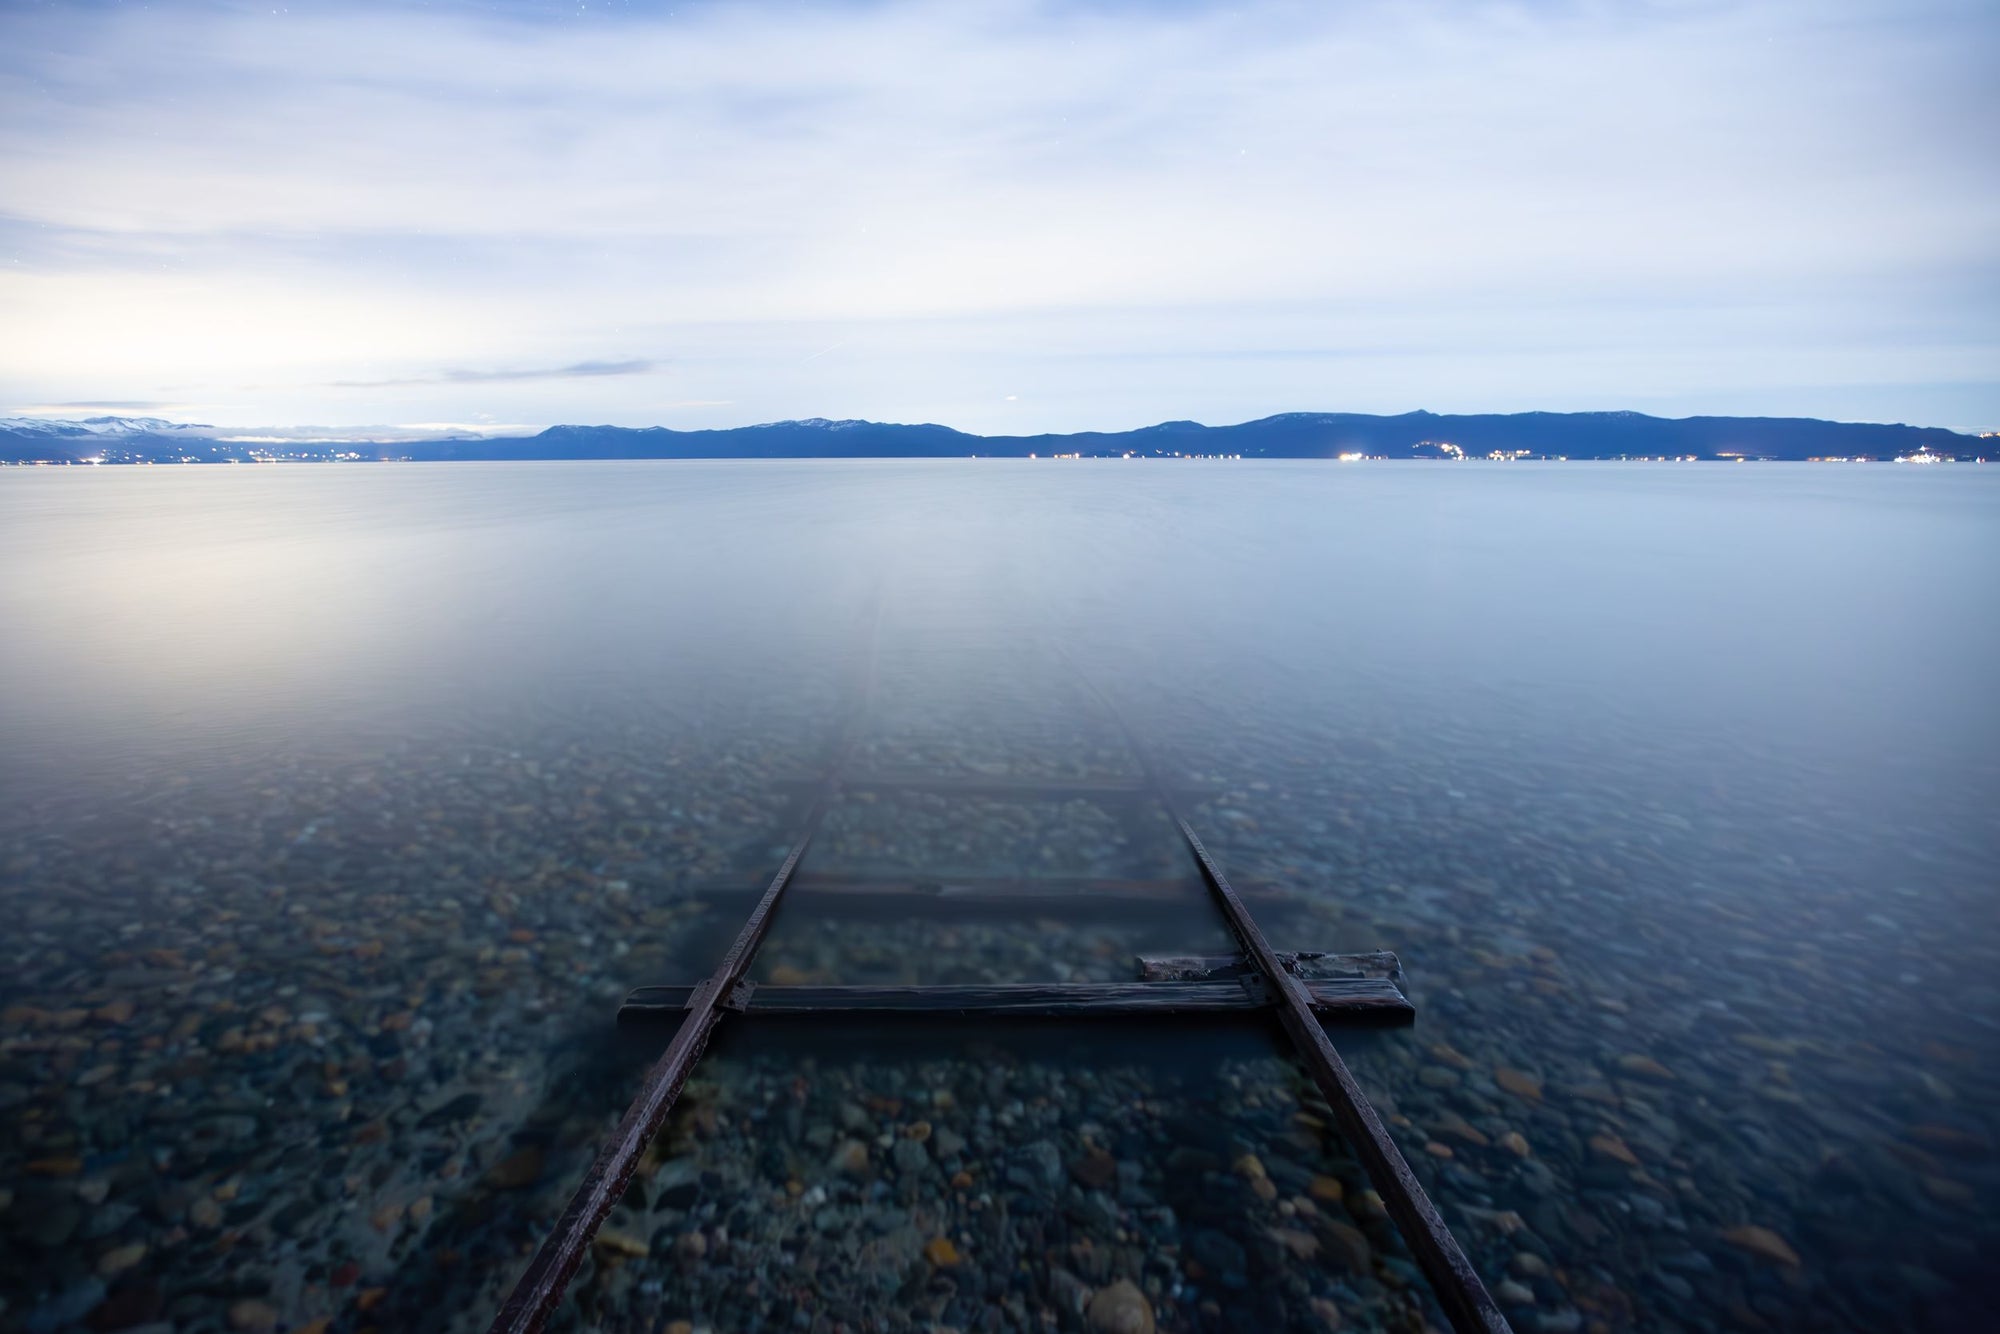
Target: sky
1000, 215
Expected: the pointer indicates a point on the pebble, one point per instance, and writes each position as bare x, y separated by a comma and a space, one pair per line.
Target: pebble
1044, 1161
614, 1242
1120, 1309
1350, 1244
910, 1157
1614, 1148
1218, 1253
1763, 1243
1645, 1067
1446, 1054
121, 1258
1094, 1168
1453, 1126
1302, 1245
253, 1316
523, 1167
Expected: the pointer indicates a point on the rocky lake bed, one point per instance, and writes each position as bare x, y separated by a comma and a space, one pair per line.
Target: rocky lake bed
324, 878
327, 1055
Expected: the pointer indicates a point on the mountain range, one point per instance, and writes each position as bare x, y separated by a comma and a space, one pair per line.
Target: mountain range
1298, 435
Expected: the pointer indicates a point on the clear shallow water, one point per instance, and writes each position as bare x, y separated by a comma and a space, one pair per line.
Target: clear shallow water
375, 787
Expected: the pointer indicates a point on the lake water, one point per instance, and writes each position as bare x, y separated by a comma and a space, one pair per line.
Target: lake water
341, 806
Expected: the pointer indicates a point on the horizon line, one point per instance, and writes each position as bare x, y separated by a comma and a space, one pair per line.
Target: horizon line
404, 433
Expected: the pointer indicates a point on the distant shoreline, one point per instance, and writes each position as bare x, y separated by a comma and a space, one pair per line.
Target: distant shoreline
1352, 437
1993, 457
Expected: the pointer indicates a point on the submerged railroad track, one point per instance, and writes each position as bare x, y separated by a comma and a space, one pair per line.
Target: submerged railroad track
1304, 991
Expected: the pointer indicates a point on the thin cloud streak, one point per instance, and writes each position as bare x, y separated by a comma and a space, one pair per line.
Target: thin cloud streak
582, 370
110, 405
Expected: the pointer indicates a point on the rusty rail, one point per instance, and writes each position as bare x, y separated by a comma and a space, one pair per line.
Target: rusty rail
1453, 1280
541, 1286
535, 1296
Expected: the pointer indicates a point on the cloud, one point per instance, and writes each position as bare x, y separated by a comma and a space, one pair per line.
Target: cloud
108, 405
582, 370
1546, 201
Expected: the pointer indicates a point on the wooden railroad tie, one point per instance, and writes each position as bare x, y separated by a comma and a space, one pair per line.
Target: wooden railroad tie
1343, 988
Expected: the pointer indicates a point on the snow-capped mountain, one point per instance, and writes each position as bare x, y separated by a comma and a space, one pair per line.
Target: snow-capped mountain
100, 426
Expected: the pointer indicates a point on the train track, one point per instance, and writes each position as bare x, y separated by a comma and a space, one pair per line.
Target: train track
1305, 991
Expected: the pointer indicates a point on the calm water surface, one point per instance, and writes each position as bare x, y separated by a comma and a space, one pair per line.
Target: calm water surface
341, 805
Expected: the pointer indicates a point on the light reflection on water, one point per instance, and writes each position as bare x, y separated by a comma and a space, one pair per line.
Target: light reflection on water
1689, 766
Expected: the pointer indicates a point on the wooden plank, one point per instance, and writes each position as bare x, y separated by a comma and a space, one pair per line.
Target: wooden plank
1372, 1000
1311, 965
